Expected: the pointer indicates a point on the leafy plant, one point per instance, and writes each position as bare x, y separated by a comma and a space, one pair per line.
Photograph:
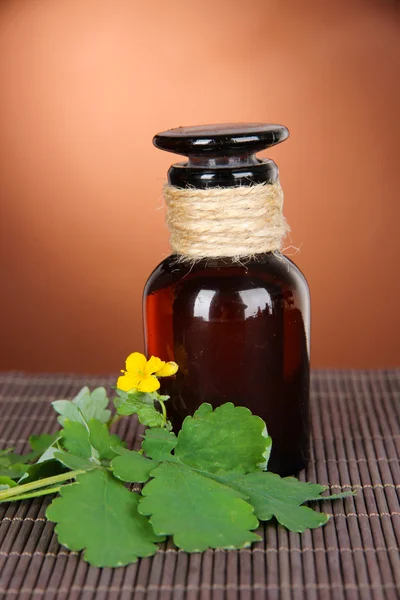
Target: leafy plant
84, 406
207, 487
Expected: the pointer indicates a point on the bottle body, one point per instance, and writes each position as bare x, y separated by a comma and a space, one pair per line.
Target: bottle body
239, 333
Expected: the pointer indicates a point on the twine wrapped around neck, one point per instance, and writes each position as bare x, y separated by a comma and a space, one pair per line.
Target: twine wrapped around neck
226, 221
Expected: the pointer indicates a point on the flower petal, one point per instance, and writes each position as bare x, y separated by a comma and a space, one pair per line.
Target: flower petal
127, 382
136, 362
153, 364
149, 384
170, 368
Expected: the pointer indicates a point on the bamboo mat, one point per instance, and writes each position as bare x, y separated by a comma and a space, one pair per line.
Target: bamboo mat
356, 445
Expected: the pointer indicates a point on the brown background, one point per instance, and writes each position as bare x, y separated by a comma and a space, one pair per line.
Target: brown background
84, 86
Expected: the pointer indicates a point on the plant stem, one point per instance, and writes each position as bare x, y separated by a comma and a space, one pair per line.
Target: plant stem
34, 494
41, 483
164, 411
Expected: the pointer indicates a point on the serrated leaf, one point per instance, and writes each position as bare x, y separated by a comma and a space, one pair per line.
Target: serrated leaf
300, 518
67, 410
199, 512
159, 443
210, 442
224, 446
273, 496
99, 515
86, 404
147, 414
227, 438
142, 405
131, 466
337, 496
94, 405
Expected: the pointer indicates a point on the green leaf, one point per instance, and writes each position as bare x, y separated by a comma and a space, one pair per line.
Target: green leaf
91, 439
5, 452
131, 466
6, 483
8, 457
99, 515
200, 513
142, 405
48, 455
228, 438
84, 406
135, 404
75, 463
219, 453
41, 470
39, 444
336, 496
68, 410
75, 439
184, 499
12, 465
159, 443
86, 445
102, 440
13, 471
17, 466
273, 496
142, 397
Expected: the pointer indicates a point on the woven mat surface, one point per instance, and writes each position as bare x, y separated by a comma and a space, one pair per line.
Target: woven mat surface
356, 445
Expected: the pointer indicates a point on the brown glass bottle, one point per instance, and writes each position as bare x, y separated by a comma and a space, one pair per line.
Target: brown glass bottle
239, 332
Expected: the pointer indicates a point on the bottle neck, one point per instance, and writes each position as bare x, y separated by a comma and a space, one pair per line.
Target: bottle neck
204, 171
215, 162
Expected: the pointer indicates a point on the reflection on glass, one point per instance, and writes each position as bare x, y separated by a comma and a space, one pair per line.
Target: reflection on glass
202, 304
255, 300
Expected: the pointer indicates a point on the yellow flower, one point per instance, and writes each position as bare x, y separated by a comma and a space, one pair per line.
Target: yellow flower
141, 374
